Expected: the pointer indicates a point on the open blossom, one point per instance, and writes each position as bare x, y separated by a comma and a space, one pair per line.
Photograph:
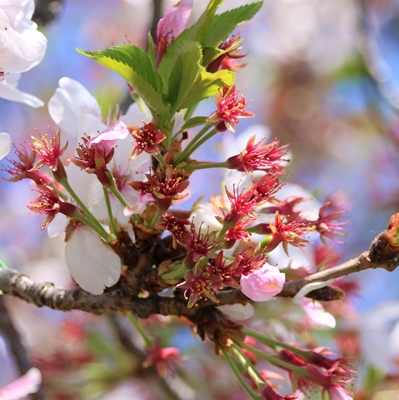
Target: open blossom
164, 359
165, 187
230, 109
146, 138
330, 224
200, 286
256, 157
23, 168
96, 153
22, 47
263, 284
5, 144
49, 152
49, 203
230, 57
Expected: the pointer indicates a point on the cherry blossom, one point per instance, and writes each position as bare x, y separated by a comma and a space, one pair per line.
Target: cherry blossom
77, 112
22, 48
230, 109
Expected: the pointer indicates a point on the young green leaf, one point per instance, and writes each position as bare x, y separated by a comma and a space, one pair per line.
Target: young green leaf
200, 28
223, 24
207, 85
136, 67
184, 73
125, 58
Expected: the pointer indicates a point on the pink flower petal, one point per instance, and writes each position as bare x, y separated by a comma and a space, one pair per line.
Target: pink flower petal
111, 134
21, 387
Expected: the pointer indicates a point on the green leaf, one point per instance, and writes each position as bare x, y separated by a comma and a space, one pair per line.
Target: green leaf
193, 122
200, 28
184, 73
223, 24
207, 85
125, 58
136, 67
168, 59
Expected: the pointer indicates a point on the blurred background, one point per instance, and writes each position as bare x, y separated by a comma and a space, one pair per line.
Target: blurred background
323, 76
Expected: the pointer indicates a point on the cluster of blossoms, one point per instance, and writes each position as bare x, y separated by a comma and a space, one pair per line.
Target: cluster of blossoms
117, 198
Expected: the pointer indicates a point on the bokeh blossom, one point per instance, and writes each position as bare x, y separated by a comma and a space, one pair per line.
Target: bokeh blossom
22, 47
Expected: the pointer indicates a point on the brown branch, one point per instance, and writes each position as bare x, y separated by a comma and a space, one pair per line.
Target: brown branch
383, 253
45, 294
17, 349
357, 264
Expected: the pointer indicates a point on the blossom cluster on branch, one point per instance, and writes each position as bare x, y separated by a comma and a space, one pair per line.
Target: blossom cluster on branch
118, 198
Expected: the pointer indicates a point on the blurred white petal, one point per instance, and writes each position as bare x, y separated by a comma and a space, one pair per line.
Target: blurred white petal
9, 91
238, 312
22, 46
92, 264
316, 315
5, 144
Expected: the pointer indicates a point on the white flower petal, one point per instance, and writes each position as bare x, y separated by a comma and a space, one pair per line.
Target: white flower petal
9, 91
89, 125
57, 225
92, 264
5, 144
135, 116
22, 46
69, 103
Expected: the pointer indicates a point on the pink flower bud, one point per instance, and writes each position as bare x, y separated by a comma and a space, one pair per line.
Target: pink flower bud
263, 284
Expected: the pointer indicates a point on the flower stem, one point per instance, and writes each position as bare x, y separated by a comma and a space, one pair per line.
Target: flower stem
271, 359
115, 191
89, 218
273, 343
252, 371
240, 378
194, 144
147, 340
206, 166
112, 224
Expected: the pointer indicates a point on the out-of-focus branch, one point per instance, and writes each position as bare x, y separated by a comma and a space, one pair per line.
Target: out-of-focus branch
17, 349
124, 336
46, 11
